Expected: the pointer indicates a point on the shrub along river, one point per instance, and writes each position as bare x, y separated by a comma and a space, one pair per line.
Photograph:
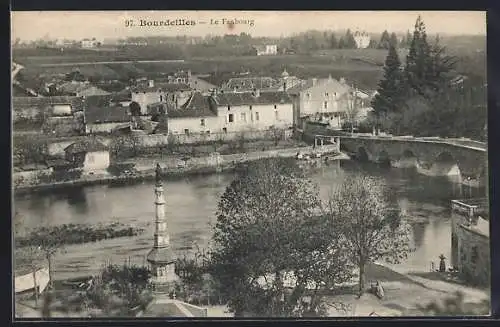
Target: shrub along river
191, 204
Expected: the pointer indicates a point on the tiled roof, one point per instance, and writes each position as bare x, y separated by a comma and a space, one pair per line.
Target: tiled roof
106, 115
240, 99
165, 87
197, 105
21, 103
89, 145
335, 85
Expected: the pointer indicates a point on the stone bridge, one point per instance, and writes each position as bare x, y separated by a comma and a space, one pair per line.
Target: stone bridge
431, 156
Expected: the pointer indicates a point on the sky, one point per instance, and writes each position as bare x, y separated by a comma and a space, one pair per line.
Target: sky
112, 24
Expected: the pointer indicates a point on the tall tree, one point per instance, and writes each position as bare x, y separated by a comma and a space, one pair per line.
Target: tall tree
384, 40
269, 233
370, 224
342, 43
333, 42
418, 60
393, 40
389, 94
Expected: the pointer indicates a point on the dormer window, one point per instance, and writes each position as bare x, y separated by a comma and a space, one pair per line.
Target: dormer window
275, 107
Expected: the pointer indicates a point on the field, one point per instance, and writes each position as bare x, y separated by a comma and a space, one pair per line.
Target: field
361, 65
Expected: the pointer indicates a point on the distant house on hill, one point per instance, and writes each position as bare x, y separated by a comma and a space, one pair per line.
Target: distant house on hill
91, 155
362, 39
89, 43
266, 50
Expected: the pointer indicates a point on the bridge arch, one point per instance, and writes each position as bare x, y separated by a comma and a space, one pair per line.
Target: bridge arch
362, 154
445, 164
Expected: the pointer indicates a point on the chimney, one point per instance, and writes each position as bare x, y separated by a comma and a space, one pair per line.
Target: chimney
151, 83
314, 80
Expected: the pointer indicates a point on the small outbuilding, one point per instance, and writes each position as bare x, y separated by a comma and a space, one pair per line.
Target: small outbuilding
91, 155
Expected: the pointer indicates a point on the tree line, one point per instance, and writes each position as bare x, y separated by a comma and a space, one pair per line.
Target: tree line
426, 96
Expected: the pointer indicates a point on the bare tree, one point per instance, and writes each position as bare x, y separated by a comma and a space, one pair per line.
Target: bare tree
370, 223
352, 108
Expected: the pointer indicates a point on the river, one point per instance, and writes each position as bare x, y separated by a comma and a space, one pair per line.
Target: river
191, 204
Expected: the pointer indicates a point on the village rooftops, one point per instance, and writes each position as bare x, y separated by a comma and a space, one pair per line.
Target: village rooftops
89, 145
197, 105
241, 99
23, 103
161, 87
106, 115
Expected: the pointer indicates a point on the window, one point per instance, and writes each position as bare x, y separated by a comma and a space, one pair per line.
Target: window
231, 118
325, 104
326, 94
308, 95
202, 122
257, 116
161, 98
228, 108
276, 115
243, 117
275, 107
224, 130
208, 132
186, 131
250, 107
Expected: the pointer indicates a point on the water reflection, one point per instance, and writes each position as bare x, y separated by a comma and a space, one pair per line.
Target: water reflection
191, 206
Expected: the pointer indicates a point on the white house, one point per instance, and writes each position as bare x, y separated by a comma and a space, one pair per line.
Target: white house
89, 43
362, 39
267, 50
90, 155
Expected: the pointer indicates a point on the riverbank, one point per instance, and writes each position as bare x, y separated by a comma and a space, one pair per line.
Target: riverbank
144, 168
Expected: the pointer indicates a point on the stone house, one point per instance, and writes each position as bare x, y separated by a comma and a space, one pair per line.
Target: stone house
197, 115
326, 97
90, 155
106, 119
154, 92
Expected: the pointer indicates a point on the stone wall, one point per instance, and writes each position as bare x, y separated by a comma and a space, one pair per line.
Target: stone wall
163, 139
473, 256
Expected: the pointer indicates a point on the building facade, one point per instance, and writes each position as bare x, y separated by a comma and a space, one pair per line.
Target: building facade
470, 242
267, 50
253, 111
91, 156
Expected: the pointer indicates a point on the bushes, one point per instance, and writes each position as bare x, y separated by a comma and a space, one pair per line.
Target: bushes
78, 234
